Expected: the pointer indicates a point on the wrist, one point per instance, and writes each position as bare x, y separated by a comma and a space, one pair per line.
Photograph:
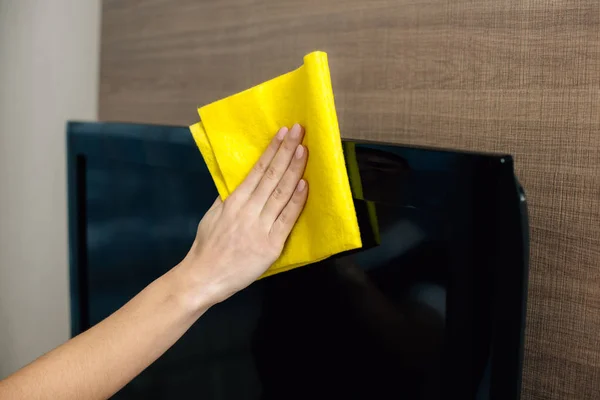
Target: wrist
194, 294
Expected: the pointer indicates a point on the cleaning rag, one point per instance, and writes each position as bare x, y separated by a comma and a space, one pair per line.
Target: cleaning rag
234, 132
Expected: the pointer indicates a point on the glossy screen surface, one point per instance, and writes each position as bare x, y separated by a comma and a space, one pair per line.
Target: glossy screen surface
410, 316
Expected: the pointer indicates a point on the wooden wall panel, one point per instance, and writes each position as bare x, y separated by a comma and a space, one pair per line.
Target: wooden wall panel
517, 76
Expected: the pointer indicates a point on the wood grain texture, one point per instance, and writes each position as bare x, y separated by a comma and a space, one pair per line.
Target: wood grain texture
516, 76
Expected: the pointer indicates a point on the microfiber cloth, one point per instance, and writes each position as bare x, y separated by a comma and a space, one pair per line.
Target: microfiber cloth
235, 131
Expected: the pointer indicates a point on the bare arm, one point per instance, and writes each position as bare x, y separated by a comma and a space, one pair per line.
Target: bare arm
237, 241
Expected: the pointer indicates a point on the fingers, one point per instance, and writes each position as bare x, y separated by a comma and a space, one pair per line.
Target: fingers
289, 215
247, 187
285, 189
278, 166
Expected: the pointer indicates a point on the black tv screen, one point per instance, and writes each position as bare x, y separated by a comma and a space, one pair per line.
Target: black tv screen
432, 307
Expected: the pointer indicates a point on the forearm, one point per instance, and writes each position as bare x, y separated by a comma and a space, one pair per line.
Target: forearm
100, 361
236, 242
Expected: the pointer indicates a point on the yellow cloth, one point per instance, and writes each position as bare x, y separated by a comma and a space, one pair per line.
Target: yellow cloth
235, 131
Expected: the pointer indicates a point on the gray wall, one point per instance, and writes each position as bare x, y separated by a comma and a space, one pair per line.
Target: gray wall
49, 51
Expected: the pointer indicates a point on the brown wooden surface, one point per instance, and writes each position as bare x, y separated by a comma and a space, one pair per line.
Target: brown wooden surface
516, 76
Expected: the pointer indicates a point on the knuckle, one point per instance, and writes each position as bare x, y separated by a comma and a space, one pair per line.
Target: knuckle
274, 145
233, 202
276, 240
295, 165
272, 250
260, 167
278, 193
232, 198
284, 218
271, 172
289, 145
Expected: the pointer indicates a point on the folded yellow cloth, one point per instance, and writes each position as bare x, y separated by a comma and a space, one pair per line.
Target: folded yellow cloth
235, 131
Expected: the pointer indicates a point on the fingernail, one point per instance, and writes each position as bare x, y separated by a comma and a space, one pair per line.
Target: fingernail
301, 185
282, 132
299, 151
296, 131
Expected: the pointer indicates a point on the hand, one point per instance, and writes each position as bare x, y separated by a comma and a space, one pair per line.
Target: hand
236, 242
239, 239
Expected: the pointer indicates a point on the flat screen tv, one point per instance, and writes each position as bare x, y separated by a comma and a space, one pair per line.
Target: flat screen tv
433, 306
